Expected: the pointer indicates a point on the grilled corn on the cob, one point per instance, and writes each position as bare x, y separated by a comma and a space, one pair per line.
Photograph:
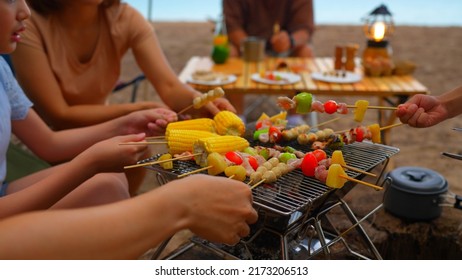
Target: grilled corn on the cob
228, 123
204, 124
220, 144
182, 140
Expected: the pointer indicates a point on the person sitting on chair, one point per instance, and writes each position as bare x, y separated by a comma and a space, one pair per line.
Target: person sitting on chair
69, 58
286, 26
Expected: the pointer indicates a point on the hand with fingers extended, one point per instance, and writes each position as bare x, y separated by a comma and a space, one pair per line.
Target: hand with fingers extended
109, 156
215, 208
153, 121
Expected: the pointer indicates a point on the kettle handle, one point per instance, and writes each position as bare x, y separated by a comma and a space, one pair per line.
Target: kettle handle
458, 202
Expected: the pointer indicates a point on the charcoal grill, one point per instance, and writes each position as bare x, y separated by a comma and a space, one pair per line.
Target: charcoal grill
293, 221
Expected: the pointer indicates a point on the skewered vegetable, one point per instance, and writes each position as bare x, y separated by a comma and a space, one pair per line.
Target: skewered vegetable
211, 95
309, 163
220, 144
182, 140
375, 133
234, 157
217, 164
334, 179
237, 171
203, 124
303, 102
360, 110
337, 158
228, 123
166, 165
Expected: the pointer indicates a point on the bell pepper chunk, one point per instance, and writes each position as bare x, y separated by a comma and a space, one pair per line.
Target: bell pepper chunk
334, 179
303, 101
360, 110
217, 163
337, 158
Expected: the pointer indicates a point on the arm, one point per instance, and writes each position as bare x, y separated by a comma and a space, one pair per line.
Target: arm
173, 92
105, 156
34, 73
299, 27
426, 110
65, 144
217, 209
233, 13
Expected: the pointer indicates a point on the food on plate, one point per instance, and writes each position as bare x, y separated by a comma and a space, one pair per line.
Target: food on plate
272, 76
228, 123
211, 95
335, 73
378, 66
209, 76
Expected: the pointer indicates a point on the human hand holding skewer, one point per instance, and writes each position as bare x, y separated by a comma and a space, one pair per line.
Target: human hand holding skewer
205, 98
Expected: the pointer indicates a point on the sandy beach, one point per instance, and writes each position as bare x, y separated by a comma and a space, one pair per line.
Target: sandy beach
435, 50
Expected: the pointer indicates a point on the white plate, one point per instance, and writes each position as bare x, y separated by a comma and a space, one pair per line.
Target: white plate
217, 82
287, 78
348, 77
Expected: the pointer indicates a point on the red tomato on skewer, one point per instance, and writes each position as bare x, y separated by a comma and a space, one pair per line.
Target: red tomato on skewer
359, 134
319, 154
309, 163
253, 162
234, 157
330, 106
275, 134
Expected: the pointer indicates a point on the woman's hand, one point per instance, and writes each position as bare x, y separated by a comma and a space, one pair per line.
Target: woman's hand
153, 121
110, 156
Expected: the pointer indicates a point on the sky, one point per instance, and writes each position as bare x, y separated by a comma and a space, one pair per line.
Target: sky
405, 12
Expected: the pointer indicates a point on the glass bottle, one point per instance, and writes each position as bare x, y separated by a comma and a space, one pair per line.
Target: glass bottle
220, 51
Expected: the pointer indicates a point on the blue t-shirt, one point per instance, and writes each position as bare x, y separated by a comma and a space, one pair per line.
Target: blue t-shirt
14, 105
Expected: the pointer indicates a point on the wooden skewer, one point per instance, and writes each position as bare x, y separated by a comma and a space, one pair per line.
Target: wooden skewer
390, 126
382, 128
378, 188
143, 143
155, 137
159, 161
375, 107
257, 184
194, 171
358, 170
326, 122
232, 176
185, 109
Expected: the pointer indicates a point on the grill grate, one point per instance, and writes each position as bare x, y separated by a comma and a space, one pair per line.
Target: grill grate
294, 191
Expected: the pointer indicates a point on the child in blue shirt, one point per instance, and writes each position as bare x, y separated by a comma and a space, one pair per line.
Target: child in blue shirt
102, 224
